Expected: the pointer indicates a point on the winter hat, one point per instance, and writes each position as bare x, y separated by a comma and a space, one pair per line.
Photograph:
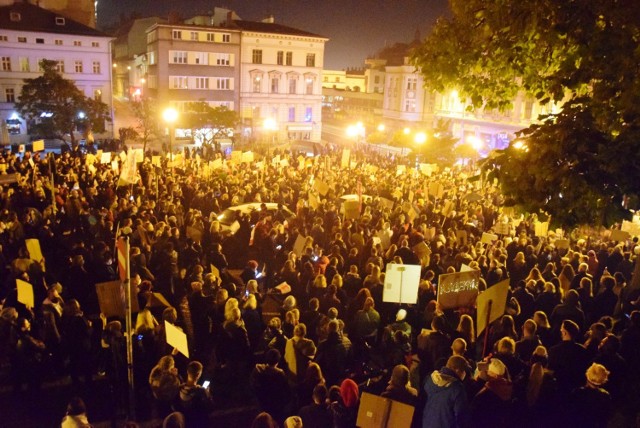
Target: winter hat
496, 368
597, 374
399, 376
349, 393
293, 422
401, 315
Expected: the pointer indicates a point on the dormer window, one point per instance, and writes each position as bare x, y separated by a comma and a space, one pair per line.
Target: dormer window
15, 16
60, 20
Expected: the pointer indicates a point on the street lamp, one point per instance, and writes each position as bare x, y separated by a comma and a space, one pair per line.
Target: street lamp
270, 126
170, 115
420, 138
381, 127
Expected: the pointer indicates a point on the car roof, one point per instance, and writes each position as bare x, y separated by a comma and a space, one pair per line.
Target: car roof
253, 206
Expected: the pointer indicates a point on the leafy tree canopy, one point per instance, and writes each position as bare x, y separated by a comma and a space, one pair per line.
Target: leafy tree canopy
209, 123
53, 105
583, 54
147, 125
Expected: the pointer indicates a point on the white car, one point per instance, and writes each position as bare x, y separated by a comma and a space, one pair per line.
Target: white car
229, 218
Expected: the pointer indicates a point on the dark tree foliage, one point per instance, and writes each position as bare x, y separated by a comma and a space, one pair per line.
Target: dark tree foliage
583, 54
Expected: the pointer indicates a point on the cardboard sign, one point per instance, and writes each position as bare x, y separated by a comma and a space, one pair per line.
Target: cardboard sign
105, 157
344, 162
461, 237
38, 145
401, 283
401, 169
236, 157
351, 210
216, 164
436, 189
313, 201
458, 290
321, 187
619, 235
25, 293
156, 161
111, 299
283, 288
215, 271
33, 247
488, 238
562, 243
497, 294
465, 268
502, 228
427, 168
247, 157
631, 227
298, 246
447, 208
194, 233
379, 412
423, 252
542, 228
386, 203
177, 338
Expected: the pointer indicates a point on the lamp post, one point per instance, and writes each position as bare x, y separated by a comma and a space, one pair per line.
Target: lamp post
170, 115
270, 126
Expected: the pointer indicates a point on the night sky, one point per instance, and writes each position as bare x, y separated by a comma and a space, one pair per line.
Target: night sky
356, 29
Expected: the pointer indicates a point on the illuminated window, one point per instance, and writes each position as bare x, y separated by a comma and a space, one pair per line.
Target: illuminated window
60, 66
256, 84
24, 64
10, 95
97, 94
24, 40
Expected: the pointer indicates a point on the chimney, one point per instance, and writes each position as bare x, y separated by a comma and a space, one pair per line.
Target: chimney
269, 20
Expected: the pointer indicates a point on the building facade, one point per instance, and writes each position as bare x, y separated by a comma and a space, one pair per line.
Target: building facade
29, 34
82, 11
281, 82
192, 63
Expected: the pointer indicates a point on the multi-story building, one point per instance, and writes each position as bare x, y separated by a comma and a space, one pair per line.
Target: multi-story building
191, 63
281, 73
29, 34
82, 11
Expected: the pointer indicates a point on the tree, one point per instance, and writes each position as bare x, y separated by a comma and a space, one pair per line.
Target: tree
54, 106
581, 54
147, 117
127, 134
208, 123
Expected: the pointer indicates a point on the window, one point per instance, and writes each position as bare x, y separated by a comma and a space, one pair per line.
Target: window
226, 38
179, 57
77, 43
309, 87
292, 114
410, 106
95, 44
202, 83
24, 40
308, 114
292, 85
325, 79
6, 63
257, 56
60, 20
4, 39
376, 79
24, 64
211, 37
223, 83
38, 41
58, 42
256, 84
60, 66
10, 95
411, 84
193, 36
176, 34
179, 82
77, 66
152, 81
223, 59
337, 79
274, 85
15, 16
201, 58
280, 58
152, 57
289, 58
96, 67
311, 60
97, 94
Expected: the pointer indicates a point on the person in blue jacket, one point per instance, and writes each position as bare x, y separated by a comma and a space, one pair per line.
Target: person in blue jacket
447, 404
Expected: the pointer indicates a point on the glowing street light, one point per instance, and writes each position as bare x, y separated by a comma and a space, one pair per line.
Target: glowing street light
475, 142
381, 127
519, 145
420, 138
406, 131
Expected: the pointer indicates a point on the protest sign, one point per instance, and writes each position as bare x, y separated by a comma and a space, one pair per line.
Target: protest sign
542, 228
436, 189
619, 235
632, 227
351, 209
561, 243
502, 228
458, 290
401, 169
33, 247
313, 201
488, 238
386, 203
105, 157
461, 237
321, 187
177, 338
25, 293
401, 283
298, 246
194, 233
236, 157
111, 299
423, 252
38, 145
247, 157
344, 162
497, 295
375, 411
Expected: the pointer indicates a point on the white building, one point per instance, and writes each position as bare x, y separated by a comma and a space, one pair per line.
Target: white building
280, 75
29, 34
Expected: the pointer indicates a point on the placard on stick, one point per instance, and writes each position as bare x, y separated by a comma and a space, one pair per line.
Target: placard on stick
351, 209
177, 338
33, 247
488, 238
458, 290
619, 235
497, 294
401, 283
111, 299
298, 246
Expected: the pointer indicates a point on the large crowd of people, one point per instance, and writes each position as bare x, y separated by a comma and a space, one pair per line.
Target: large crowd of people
303, 330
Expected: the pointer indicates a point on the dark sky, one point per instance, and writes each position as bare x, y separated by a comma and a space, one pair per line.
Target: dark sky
356, 28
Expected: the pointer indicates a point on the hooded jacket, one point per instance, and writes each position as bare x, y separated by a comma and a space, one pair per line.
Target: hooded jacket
447, 404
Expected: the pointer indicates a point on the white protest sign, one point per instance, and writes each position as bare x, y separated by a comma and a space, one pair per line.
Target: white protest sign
401, 283
177, 338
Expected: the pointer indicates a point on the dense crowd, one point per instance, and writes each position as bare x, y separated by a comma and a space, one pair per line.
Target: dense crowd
566, 350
